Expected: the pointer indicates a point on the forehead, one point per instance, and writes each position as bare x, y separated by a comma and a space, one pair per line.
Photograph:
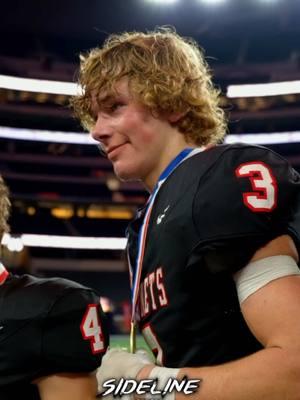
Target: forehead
118, 89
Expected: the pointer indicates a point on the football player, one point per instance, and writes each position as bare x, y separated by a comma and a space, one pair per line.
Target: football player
214, 252
53, 334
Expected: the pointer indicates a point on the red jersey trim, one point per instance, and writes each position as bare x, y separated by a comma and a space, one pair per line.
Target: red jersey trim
3, 274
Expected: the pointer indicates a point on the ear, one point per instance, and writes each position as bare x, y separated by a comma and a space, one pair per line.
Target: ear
174, 117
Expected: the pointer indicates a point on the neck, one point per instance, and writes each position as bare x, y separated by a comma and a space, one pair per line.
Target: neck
171, 152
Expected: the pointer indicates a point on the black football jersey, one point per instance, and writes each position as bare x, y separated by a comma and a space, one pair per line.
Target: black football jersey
47, 326
209, 217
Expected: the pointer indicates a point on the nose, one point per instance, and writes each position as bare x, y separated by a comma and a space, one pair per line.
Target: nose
102, 130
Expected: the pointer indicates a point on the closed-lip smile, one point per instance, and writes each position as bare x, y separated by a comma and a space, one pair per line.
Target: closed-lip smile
112, 148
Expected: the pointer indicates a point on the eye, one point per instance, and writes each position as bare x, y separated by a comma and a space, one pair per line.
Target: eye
93, 114
115, 106
93, 118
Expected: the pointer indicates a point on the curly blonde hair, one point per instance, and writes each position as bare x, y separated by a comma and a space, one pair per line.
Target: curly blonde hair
4, 208
166, 73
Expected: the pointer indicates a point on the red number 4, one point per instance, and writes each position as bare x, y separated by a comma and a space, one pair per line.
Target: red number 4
264, 194
91, 329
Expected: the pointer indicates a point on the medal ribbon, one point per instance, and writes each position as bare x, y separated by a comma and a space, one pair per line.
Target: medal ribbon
136, 276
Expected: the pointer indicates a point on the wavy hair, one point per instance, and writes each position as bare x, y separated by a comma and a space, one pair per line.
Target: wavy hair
166, 72
4, 208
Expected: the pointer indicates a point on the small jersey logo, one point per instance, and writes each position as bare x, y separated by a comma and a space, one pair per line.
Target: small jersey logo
162, 216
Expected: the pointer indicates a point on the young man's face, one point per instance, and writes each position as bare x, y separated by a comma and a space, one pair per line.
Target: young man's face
135, 141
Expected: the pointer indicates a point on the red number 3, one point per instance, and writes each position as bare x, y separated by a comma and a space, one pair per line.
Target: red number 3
264, 194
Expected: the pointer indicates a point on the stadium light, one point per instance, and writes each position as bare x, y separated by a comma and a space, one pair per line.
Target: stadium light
269, 1
65, 242
39, 85
212, 1
265, 138
84, 138
72, 89
162, 1
46, 136
15, 244
263, 89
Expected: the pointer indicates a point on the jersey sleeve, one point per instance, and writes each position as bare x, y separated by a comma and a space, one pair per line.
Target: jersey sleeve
249, 197
75, 334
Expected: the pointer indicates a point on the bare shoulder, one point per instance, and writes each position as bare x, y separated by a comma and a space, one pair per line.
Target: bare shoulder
282, 245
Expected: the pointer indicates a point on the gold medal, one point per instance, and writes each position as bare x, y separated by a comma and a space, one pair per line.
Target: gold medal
132, 337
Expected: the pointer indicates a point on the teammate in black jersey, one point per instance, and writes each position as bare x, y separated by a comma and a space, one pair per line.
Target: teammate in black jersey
214, 252
52, 334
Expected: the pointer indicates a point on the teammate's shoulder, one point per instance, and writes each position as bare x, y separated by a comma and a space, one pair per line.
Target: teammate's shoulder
56, 284
42, 293
61, 288
77, 327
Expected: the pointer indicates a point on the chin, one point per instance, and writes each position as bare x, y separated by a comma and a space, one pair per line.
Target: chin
126, 174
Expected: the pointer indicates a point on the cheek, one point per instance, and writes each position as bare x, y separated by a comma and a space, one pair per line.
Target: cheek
147, 137
141, 128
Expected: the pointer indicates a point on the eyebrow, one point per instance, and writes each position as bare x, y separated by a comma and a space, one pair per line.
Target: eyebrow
109, 98
106, 98
102, 102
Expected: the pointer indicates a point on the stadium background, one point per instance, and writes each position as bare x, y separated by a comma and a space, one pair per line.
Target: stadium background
61, 187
